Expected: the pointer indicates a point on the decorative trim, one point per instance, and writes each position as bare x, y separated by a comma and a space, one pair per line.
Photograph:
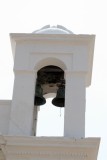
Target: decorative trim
5, 102
63, 37
58, 148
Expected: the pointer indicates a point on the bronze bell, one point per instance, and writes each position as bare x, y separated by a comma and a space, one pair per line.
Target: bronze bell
59, 100
39, 99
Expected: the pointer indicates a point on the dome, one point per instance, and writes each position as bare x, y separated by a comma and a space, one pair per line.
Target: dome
53, 30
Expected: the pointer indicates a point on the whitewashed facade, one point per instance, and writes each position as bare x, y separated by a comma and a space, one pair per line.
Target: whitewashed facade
74, 55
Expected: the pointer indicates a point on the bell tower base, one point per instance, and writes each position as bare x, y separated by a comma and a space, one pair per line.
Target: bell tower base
49, 148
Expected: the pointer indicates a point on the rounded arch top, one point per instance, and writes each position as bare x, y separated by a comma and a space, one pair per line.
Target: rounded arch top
50, 61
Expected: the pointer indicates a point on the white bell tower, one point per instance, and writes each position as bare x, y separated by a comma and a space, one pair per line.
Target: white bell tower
51, 46
70, 57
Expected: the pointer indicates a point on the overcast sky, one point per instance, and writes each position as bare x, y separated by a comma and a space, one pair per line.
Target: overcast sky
81, 17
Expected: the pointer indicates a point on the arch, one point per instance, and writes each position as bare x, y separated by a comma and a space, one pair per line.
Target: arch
49, 88
49, 78
50, 61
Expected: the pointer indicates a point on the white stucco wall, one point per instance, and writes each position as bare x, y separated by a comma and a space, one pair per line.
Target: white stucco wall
5, 109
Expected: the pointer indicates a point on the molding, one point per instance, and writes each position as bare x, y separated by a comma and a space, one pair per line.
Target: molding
21, 71
59, 148
71, 37
5, 102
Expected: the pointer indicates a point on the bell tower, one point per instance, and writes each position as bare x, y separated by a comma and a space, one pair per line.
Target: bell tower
53, 60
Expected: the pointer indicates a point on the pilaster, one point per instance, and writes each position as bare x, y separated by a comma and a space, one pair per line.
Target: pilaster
74, 122
22, 103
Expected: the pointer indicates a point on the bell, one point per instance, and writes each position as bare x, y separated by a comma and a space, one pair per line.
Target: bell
39, 99
59, 100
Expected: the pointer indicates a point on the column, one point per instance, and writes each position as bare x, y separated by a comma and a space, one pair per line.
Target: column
22, 103
74, 120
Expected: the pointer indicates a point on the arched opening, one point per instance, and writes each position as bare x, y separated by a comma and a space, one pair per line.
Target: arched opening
50, 92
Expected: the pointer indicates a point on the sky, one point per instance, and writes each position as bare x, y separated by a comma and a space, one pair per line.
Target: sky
81, 17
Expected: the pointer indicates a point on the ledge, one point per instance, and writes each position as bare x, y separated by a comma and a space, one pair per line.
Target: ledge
59, 148
5, 102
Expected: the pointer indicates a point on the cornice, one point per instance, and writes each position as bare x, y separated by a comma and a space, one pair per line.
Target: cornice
50, 147
5, 102
70, 37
